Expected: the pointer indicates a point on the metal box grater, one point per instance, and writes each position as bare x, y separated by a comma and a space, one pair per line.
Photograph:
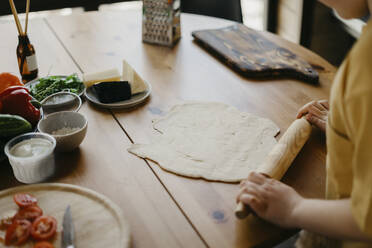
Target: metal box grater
161, 22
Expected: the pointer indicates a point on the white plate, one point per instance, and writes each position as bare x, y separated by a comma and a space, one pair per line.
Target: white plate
133, 101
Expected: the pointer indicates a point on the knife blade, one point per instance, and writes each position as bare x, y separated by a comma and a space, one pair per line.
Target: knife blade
68, 230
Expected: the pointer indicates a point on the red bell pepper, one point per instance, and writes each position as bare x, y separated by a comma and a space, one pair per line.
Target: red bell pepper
11, 89
16, 100
7, 79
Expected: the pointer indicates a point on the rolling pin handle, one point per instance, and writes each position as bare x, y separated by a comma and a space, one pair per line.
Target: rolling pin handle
242, 210
281, 156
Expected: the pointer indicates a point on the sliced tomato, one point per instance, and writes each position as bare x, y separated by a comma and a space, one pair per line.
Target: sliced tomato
29, 213
24, 200
18, 232
6, 223
44, 227
43, 244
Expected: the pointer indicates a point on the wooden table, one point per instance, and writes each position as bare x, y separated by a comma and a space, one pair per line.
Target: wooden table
166, 210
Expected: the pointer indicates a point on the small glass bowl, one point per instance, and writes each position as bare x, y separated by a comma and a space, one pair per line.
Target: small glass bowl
33, 169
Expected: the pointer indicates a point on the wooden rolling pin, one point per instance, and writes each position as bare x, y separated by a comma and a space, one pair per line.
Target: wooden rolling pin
281, 156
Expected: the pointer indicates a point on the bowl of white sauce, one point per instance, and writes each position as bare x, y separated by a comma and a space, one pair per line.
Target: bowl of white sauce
31, 156
67, 127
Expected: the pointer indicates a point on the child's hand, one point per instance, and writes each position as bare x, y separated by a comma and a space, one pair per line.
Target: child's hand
316, 112
270, 199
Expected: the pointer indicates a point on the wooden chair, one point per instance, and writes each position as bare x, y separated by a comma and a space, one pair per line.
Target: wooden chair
38, 5
228, 9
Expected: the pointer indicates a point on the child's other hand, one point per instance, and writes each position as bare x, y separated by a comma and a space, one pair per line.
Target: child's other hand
316, 112
270, 199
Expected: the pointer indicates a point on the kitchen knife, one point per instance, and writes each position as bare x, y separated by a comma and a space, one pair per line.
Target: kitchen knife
68, 230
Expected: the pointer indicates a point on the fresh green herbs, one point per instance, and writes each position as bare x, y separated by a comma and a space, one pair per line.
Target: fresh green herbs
53, 84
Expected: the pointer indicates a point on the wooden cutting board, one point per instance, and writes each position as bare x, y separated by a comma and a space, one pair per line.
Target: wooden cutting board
251, 54
98, 222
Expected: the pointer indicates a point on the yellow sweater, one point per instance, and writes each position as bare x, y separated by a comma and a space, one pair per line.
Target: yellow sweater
349, 134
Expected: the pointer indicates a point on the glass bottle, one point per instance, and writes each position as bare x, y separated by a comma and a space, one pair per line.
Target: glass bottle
26, 59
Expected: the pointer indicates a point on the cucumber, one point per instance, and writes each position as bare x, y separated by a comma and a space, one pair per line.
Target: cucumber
12, 125
2, 154
2, 145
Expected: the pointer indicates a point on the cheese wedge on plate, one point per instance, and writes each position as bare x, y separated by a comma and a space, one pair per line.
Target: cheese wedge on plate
136, 82
102, 76
107, 87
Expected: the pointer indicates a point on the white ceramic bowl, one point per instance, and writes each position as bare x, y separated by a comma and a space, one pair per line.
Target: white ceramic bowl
65, 120
32, 169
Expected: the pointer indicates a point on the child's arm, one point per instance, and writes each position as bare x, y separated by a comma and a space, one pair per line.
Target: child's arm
316, 113
332, 218
282, 205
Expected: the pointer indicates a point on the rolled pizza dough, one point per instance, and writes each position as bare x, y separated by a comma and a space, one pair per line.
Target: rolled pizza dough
213, 141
